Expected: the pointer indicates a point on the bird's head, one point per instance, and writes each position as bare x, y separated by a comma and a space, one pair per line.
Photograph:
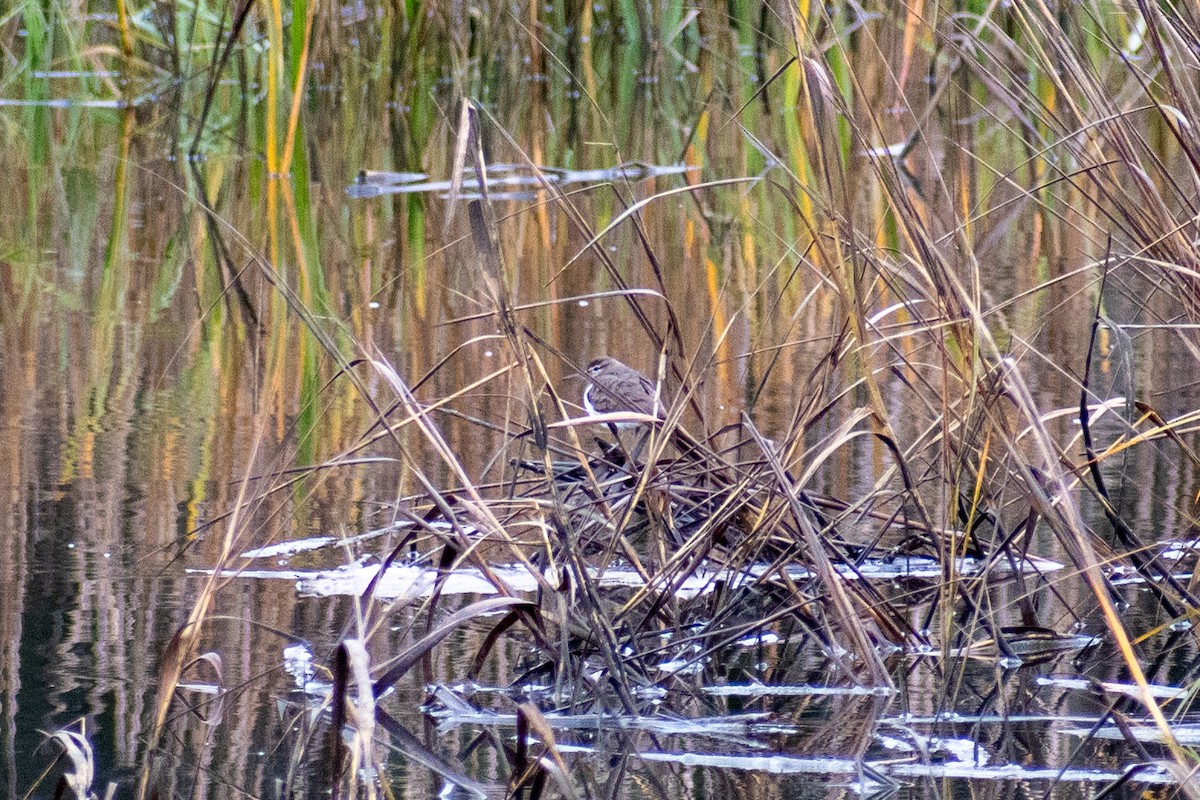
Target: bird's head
600, 366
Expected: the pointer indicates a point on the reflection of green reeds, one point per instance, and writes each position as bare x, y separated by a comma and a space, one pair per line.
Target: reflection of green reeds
37, 58
886, 259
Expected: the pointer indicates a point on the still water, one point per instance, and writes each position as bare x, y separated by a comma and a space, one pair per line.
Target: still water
159, 376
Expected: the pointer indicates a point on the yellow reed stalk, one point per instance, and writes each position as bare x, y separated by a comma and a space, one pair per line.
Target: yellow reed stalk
274, 67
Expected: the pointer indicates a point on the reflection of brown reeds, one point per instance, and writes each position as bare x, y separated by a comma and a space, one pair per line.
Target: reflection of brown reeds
870, 310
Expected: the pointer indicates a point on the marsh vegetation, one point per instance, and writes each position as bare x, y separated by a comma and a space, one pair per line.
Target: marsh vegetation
296, 304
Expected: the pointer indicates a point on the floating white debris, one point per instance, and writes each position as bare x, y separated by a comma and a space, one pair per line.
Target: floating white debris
732, 724
682, 666
298, 662
763, 639
766, 690
1019, 772
1186, 734
412, 581
950, 717
1176, 549
784, 764
962, 751
353, 580
290, 548
1158, 691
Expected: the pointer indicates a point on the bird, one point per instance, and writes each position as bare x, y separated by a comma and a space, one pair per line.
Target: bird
617, 387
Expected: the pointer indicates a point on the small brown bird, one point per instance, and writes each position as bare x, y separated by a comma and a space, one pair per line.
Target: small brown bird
616, 387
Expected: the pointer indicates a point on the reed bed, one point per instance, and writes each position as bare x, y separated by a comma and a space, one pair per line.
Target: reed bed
846, 211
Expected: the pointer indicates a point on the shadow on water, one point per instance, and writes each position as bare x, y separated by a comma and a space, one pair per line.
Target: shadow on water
300, 489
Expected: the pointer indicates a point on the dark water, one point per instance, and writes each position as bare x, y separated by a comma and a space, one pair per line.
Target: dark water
143, 387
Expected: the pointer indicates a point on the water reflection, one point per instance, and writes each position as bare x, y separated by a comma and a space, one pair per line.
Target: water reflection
153, 368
